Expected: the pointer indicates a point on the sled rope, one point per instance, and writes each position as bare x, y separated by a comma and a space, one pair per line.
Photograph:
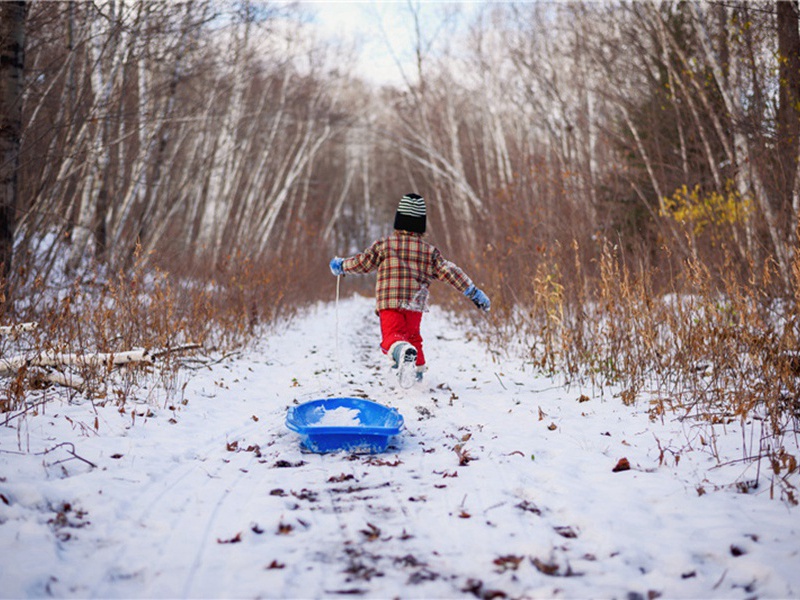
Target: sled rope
336, 331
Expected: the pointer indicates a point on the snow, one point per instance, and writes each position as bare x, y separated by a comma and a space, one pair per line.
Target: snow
339, 417
502, 483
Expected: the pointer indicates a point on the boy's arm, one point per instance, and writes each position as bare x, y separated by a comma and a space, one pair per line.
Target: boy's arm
452, 274
364, 262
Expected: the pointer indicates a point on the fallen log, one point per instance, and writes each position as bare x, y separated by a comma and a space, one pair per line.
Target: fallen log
9, 367
18, 328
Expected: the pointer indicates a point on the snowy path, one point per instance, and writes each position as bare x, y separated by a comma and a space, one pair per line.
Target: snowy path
501, 486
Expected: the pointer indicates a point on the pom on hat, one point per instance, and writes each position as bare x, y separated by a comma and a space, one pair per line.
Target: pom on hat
410, 214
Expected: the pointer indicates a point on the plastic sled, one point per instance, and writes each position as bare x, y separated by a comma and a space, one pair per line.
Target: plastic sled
350, 424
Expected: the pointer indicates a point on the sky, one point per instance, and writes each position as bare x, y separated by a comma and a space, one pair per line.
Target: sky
384, 31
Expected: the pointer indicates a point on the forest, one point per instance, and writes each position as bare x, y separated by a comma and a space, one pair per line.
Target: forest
622, 178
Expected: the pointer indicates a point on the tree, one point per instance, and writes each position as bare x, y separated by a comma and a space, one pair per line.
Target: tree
789, 97
12, 67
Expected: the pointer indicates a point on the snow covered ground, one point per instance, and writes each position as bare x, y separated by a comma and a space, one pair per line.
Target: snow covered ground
502, 485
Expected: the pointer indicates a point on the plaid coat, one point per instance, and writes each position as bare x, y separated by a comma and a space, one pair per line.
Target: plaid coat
406, 265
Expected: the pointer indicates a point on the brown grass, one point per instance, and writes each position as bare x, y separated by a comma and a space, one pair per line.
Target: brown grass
147, 307
712, 349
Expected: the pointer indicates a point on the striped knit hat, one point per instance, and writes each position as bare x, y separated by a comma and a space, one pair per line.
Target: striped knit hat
410, 214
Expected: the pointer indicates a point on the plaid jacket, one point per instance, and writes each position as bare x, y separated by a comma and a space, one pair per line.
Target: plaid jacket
406, 265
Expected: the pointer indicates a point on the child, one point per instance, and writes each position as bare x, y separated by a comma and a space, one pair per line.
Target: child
406, 265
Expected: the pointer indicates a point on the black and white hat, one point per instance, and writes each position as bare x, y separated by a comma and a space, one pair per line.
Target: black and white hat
410, 214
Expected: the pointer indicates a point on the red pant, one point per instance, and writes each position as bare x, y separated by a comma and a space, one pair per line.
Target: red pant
401, 326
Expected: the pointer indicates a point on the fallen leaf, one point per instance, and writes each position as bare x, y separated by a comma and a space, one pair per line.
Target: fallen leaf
255, 449
234, 540
565, 531
284, 529
509, 562
379, 462
737, 551
529, 507
306, 494
285, 464
622, 465
543, 567
372, 533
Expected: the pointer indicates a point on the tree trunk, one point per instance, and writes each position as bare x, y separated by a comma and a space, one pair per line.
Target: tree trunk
12, 67
789, 93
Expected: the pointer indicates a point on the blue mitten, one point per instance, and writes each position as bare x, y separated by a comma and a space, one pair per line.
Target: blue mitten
480, 299
336, 266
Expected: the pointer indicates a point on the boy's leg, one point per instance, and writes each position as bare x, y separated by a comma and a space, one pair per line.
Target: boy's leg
401, 326
413, 321
393, 328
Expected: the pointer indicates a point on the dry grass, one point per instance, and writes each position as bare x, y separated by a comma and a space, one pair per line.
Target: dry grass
146, 307
709, 348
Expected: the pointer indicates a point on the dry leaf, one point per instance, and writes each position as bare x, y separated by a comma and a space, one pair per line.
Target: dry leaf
284, 529
543, 567
372, 534
234, 540
566, 531
508, 563
622, 465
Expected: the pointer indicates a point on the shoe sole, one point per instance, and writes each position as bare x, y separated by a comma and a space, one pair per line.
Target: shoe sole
407, 371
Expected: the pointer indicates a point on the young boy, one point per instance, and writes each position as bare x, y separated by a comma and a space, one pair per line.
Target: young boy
406, 265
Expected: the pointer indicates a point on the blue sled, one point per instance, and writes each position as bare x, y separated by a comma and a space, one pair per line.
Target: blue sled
365, 428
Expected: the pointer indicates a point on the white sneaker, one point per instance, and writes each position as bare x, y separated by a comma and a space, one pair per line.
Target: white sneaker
404, 356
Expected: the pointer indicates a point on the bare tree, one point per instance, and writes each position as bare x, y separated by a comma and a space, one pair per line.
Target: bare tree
12, 68
788, 130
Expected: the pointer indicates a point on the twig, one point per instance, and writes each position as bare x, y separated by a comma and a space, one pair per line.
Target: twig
56, 447
210, 362
500, 380
72, 452
9, 418
183, 348
716, 585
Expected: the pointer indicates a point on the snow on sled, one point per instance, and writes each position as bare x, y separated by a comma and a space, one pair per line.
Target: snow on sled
350, 424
